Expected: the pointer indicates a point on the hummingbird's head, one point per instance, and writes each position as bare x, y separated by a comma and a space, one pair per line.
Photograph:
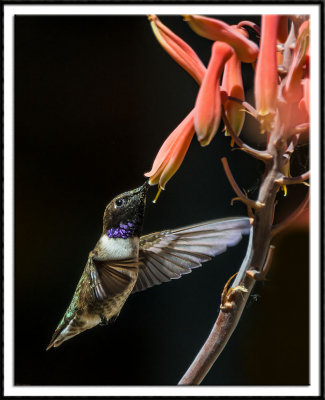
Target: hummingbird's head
123, 217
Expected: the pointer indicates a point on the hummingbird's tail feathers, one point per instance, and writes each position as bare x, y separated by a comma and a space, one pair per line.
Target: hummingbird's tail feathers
170, 254
67, 330
60, 335
55, 342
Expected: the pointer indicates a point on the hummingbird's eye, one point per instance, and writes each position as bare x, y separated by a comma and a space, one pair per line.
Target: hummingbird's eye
119, 202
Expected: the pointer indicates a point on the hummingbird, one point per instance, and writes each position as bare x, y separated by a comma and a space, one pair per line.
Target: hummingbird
124, 262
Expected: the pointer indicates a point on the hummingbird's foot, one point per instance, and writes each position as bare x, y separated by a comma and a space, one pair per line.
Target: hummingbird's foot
227, 294
227, 304
104, 321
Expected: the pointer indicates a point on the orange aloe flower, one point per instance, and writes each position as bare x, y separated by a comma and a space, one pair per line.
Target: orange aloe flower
172, 153
207, 111
266, 74
282, 36
283, 29
291, 116
304, 102
293, 88
232, 83
180, 51
214, 29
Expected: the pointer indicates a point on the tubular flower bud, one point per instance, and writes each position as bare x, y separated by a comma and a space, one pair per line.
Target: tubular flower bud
306, 84
214, 29
283, 29
292, 115
266, 74
293, 89
180, 51
282, 36
207, 111
305, 101
232, 83
172, 153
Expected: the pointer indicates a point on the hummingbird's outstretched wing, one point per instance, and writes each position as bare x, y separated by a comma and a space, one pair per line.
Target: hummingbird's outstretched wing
169, 254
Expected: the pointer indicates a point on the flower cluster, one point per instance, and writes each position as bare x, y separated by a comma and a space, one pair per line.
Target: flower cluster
281, 83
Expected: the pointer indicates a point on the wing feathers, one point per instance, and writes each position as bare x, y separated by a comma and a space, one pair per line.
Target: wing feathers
217, 225
108, 279
167, 267
159, 275
196, 258
170, 254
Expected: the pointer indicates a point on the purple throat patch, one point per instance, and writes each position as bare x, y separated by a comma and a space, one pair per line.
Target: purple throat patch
124, 231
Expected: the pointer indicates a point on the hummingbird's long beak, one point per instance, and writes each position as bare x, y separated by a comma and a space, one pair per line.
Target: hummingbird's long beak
144, 188
140, 192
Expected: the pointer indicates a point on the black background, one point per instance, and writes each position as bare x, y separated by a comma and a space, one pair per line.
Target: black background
95, 97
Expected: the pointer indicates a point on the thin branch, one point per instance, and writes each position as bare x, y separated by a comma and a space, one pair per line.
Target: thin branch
255, 258
212, 347
232, 306
261, 155
293, 180
249, 209
260, 275
292, 145
285, 223
241, 196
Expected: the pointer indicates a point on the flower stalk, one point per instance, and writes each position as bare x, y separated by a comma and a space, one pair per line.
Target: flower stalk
281, 89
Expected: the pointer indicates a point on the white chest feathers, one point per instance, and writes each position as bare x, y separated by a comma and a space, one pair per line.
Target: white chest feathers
116, 248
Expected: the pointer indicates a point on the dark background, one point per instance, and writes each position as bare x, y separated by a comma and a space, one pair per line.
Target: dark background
95, 97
